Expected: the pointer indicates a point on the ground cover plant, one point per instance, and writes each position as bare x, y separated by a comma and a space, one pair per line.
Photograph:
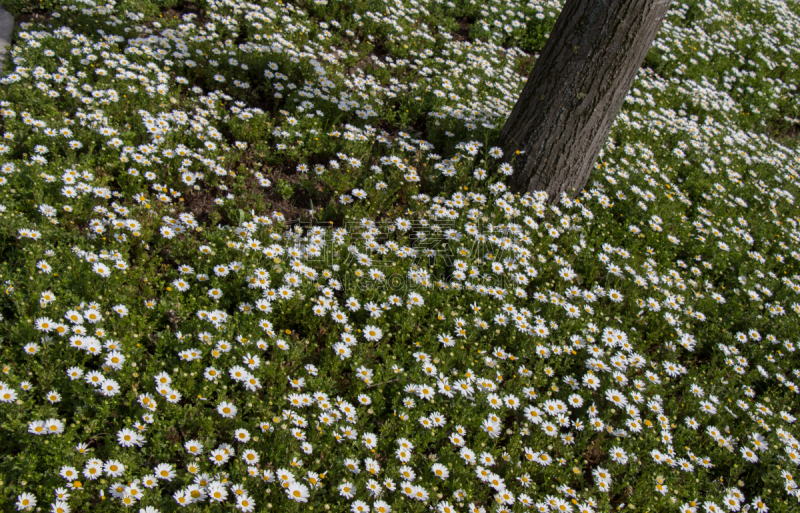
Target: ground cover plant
260, 256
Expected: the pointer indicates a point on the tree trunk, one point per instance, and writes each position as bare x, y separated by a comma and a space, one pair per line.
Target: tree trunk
568, 105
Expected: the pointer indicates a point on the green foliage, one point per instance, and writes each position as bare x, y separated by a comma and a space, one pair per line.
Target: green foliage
284, 189
264, 204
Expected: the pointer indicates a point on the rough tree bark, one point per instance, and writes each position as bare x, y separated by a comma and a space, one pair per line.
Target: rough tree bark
568, 105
